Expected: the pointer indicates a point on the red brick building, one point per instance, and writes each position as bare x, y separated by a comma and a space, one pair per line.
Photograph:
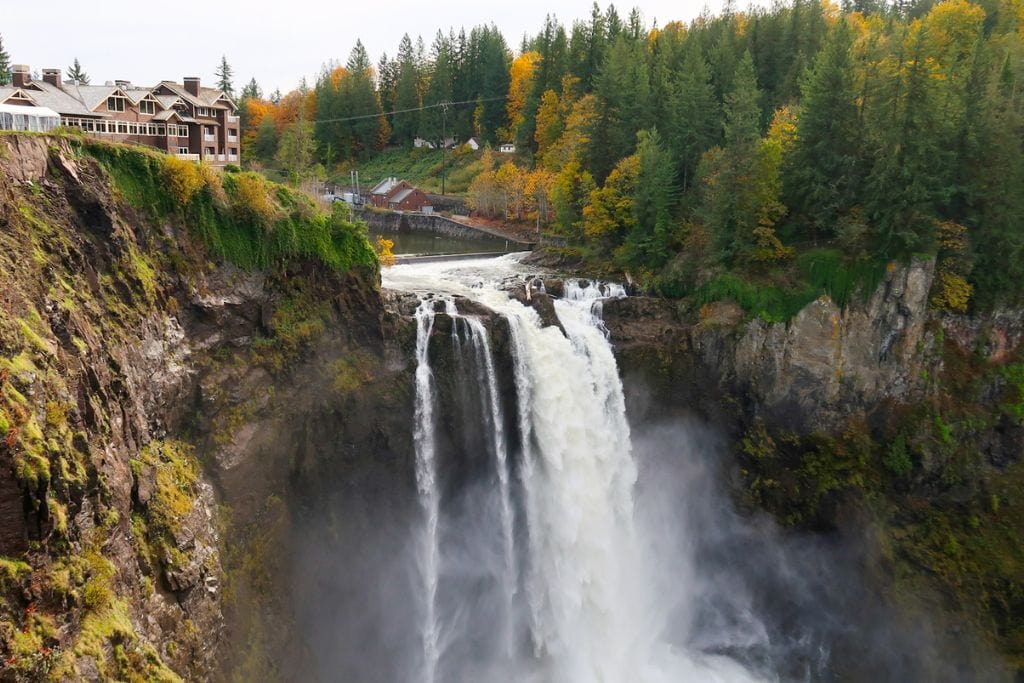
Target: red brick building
398, 195
187, 120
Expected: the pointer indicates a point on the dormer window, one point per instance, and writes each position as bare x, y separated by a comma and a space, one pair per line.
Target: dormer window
147, 107
115, 104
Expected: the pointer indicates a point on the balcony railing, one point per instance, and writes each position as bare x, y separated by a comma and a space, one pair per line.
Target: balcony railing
209, 138
232, 138
188, 157
232, 119
232, 157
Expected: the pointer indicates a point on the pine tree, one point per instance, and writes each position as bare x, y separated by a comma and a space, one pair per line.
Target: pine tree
406, 124
433, 124
75, 73
5, 64
357, 97
653, 201
692, 122
623, 94
732, 206
252, 91
823, 174
224, 75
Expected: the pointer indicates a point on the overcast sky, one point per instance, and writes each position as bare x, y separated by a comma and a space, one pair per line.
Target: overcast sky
277, 42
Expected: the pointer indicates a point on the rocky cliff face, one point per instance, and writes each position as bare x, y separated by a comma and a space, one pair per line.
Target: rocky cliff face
885, 421
162, 417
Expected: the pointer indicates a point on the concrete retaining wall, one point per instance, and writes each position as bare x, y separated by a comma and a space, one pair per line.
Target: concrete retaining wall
391, 221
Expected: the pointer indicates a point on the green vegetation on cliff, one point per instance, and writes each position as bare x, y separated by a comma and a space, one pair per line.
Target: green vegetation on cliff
103, 249
241, 217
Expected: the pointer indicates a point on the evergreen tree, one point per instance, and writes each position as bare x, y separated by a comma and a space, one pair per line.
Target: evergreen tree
692, 121
224, 75
5, 64
623, 94
904, 184
358, 100
75, 73
733, 205
406, 124
434, 124
252, 91
823, 175
653, 201
387, 80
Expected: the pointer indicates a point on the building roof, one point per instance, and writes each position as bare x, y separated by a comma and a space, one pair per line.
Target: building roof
166, 115
8, 91
385, 186
168, 101
401, 196
93, 96
61, 101
208, 97
136, 95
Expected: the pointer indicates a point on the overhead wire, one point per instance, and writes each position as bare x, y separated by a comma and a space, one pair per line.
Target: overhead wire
422, 107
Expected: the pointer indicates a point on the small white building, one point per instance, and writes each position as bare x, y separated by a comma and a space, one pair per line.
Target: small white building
35, 119
420, 143
507, 148
473, 144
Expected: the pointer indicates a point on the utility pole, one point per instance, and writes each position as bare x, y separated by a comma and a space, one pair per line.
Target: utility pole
444, 140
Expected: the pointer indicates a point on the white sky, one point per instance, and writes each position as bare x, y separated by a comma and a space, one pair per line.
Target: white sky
277, 42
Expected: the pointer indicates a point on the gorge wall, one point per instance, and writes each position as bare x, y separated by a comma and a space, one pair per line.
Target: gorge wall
161, 411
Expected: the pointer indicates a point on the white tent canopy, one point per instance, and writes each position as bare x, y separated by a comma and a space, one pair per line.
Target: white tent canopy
36, 119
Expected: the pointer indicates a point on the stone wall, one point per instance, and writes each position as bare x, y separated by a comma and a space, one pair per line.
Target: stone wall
390, 221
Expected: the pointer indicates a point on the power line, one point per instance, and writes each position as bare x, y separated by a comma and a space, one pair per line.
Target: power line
405, 111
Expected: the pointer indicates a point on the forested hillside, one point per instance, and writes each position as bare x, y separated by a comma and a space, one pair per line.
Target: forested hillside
762, 155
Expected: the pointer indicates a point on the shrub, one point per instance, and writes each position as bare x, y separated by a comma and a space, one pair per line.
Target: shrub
183, 179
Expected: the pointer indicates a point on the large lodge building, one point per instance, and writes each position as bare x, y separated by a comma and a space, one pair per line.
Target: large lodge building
190, 121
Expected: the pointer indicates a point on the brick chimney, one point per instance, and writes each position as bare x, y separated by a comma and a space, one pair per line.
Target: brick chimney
52, 76
192, 85
20, 75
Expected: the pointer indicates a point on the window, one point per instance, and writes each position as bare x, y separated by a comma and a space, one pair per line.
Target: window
147, 107
160, 130
115, 104
182, 131
183, 150
122, 127
209, 151
233, 151
133, 129
208, 130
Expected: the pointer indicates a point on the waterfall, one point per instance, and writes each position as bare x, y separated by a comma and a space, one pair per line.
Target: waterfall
585, 595
426, 483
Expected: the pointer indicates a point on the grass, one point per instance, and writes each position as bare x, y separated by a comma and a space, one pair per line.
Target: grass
820, 271
421, 167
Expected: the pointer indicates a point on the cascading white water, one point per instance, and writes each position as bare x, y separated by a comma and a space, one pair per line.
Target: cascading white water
491, 400
593, 616
426, 483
